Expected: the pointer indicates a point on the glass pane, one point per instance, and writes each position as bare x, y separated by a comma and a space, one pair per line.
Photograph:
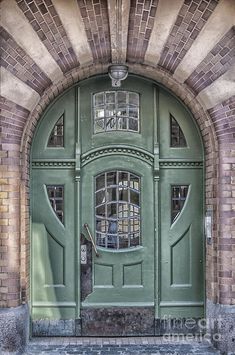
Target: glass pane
119, 210
133, 124
100, 197
122, 123
134, 182
101, 240
135, 240
178, 197
113, 107
110, 97
123, 179
100, 182
111, 241
133, 99
177, 136
121, 98
99, 126
56, 138
123, 241
133, 112
99, 113
100, 211
111, 178
112, 210
56, 198
112, 194
101, 225
123, 194
99, 99
111, 124
110, 110
134, 197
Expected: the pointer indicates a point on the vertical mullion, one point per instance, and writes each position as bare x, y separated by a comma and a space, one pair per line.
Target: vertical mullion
128, 211
116, 108
117, 201
106, 208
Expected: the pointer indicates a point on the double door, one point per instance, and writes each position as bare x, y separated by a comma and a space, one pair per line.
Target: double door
116, 201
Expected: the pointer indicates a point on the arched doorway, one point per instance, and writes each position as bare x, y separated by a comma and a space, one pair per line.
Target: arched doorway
117, 207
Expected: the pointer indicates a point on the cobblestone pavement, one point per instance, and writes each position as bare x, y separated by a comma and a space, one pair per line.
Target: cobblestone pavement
118, 346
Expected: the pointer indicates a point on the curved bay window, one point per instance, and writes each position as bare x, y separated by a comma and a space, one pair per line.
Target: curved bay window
116, 111
117, 207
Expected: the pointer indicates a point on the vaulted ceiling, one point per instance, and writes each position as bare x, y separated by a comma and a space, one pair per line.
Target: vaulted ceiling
43, 41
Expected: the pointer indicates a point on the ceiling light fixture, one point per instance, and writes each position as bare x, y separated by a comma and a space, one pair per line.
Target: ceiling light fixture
117, 73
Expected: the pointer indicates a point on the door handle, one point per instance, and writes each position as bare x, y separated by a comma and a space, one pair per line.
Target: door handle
91, 238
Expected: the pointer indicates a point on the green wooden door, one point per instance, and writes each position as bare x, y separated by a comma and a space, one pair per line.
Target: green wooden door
181, 284
128, 164
123, 273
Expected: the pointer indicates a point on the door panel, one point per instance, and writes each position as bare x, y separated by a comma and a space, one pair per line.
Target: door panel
53, 247
182, 245
123, 276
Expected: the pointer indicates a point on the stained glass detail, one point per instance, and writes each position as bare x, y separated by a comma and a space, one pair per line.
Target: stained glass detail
178, 197
116, 111
56, 138
117, 211
56, 197
177, 137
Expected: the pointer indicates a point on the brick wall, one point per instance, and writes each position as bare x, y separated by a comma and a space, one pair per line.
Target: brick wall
141, 24
96, 22
191, 19
215, 64
223, 116
12, 121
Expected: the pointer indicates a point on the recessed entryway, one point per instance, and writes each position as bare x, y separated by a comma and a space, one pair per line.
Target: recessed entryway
117, 212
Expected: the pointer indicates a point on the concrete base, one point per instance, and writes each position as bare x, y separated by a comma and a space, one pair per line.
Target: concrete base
14, 329
118, 321
50, 328
221, 327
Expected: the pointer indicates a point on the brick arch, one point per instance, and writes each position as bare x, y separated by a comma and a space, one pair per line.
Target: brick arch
182, 92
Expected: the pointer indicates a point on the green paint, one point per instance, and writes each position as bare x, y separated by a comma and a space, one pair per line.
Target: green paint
167, 269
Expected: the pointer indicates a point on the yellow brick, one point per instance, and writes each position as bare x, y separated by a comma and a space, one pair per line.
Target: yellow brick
3, 194
3, 222
3, 181
3, 208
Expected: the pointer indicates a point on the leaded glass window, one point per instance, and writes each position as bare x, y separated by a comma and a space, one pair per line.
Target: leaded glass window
177, 137
117, 210
56, 197
178, 198
56, 138
116, 111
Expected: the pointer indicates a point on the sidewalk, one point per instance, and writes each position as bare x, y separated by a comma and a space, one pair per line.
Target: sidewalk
119, 346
